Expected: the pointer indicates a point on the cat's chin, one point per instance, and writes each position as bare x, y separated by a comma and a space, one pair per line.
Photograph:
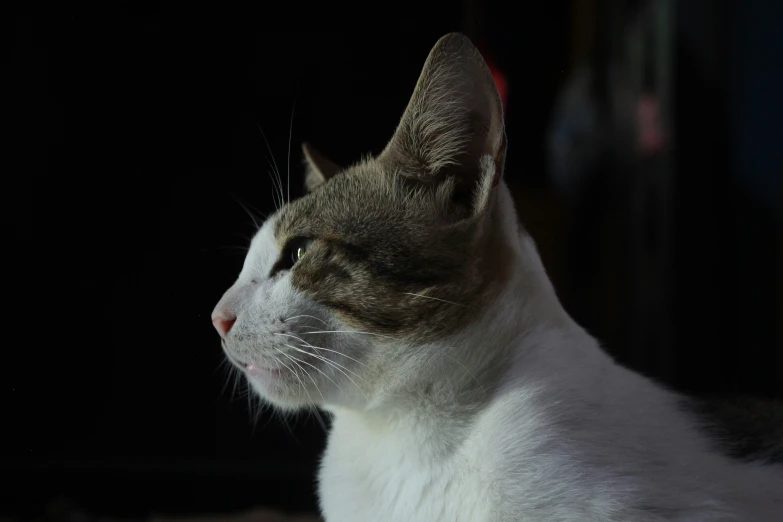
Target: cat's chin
279, 388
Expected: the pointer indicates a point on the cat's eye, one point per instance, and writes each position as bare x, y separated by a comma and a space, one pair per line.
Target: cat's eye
299, 251
293, 252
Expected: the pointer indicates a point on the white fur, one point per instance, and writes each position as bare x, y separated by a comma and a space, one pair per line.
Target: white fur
259, 337
519, 417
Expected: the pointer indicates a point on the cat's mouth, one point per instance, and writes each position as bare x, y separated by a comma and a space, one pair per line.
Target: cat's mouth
250, 368
253, 369
261, 371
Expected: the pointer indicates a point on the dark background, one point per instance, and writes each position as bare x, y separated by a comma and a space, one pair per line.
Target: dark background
137, 138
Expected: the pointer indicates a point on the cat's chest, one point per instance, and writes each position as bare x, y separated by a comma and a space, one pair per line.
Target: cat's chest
369, 477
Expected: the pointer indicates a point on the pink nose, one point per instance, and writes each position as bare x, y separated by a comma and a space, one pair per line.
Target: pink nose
223, 324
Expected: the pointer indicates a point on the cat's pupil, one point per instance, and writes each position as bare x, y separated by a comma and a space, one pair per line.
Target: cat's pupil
294, 252
298, 251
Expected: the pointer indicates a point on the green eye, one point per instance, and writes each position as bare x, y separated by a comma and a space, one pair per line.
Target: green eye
298, 249
293, 252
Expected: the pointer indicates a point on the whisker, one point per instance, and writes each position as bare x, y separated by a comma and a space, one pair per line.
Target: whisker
260, 408
339, 367
276, 192
273, 166
312, 328
297, 375
290, 131
434, 299
322, 373
233, 248
278, 414
324, 359
349, 332
327, 360
310, 316
333, 364
320, 348
318, 415
230, 375
250, 404
334, 351
237, 380
247, 211
465, 368
306, 373
245, 238
284, 418
276, 170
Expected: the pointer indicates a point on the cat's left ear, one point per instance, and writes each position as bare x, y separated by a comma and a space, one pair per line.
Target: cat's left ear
318, 168
453, 126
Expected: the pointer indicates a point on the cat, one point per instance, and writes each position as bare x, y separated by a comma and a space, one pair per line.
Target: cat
402, 296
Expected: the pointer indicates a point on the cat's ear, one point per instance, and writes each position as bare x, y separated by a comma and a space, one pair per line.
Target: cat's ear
318, 168
453, 125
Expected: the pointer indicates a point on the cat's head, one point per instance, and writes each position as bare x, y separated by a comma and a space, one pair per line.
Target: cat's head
350, 285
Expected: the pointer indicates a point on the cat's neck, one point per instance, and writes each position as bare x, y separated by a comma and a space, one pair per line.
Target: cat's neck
436, 409
524, 334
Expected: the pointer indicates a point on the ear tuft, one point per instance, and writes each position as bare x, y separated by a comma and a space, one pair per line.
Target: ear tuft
318, 168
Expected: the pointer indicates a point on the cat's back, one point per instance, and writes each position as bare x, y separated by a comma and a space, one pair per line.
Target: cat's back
743, 427
619, 448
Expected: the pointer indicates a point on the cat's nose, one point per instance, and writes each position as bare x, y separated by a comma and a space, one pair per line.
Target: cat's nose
223, 321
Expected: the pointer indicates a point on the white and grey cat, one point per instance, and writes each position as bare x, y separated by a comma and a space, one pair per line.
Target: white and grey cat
402, 296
